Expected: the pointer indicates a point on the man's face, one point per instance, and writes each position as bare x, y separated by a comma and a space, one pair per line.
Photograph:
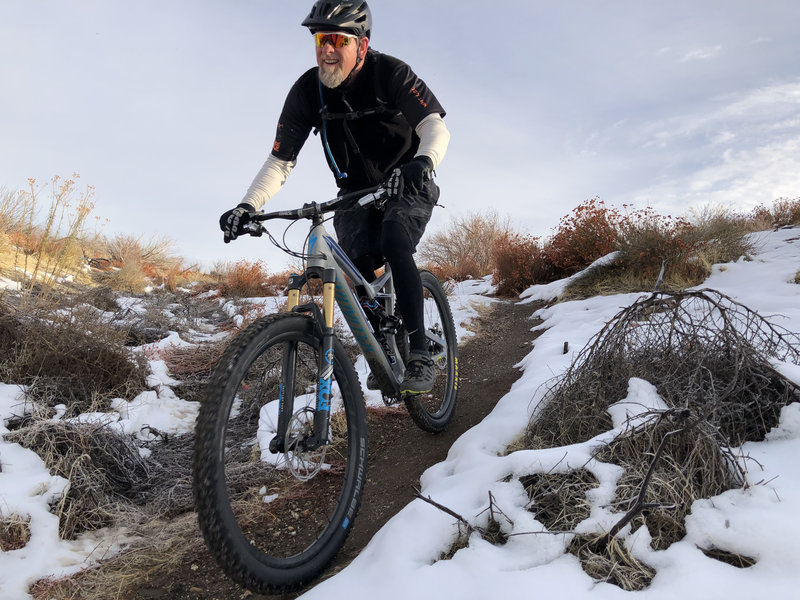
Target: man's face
335, 64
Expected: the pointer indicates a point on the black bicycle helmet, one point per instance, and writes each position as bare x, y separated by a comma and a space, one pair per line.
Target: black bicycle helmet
350, 17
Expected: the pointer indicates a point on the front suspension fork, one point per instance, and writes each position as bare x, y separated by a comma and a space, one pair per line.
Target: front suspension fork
320, 435
322, 416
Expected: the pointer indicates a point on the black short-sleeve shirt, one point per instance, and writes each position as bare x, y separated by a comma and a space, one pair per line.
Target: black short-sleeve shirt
365, 146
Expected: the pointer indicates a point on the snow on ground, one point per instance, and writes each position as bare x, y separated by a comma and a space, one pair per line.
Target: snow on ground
402, 559
27, 488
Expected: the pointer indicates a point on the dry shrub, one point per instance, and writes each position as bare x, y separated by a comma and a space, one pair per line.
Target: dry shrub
700, 349
26, 242
14, 532
520, 262
590, 232
104, 471
649, 241
67, 357
760, 219
182, 276
101, 297
138, 263
611, 563
168, 490
784, 212
558, 500
245, 279
719, 235
193, 362
710, 360
464, 250
12, 211
156, 253
666, 253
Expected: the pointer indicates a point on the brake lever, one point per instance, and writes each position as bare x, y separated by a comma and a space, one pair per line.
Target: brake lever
254, 229
378, 197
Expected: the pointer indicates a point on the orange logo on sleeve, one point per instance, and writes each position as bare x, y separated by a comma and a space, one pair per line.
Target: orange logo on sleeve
416, 93
276, 146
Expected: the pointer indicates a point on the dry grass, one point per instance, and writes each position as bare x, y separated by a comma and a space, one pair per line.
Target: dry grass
194, 362
129, 278
670, 462
14, 532
161, 548
559, 500
611, 562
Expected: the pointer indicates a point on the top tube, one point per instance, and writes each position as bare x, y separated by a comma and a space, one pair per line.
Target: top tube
313, 209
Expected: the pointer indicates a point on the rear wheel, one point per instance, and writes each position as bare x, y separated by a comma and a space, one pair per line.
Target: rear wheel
273, 521
432, 411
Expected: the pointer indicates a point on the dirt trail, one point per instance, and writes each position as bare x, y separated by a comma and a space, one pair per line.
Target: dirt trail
399, 452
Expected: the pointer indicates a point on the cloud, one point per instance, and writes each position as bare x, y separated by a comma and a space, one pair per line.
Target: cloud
741, 179
738, 150
702, 54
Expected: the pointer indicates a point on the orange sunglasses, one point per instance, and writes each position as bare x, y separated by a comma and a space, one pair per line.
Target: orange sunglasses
336, 39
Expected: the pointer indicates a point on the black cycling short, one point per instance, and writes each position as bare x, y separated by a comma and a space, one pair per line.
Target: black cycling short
358, 228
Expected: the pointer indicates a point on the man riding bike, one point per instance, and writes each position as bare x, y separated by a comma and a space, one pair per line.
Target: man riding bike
378, 124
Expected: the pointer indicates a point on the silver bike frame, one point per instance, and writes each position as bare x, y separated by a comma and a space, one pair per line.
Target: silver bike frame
325, 253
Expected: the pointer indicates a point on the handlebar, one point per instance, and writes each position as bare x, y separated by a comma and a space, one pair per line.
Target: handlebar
315, 209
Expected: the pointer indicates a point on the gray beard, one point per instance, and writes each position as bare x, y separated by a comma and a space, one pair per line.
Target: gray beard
331, 78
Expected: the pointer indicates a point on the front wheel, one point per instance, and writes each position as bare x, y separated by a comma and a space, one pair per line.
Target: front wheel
274, 520
432, 411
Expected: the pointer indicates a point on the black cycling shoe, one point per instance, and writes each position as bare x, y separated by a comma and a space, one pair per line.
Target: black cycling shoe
420, 375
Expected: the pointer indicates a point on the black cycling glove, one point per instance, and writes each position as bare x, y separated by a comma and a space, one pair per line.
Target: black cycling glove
233, 221
412, 176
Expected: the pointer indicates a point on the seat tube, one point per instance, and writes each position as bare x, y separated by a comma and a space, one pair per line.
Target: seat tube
322, 414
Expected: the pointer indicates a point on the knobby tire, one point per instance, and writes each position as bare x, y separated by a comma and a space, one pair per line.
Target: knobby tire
268, 530
433, 411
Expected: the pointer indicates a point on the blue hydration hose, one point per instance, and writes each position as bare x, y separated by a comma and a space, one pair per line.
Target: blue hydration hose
339, 174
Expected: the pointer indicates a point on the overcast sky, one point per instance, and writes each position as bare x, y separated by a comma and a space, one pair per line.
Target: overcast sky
168, 108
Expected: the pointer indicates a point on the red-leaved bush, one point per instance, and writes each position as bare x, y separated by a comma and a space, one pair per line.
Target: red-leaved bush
589, 232
519, 263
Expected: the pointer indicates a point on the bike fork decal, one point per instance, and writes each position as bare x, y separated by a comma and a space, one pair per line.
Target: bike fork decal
326, 382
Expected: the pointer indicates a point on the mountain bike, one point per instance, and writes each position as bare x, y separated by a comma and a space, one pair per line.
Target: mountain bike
281, 439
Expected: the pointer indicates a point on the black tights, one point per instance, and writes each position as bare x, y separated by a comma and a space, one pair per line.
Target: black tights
396, 247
